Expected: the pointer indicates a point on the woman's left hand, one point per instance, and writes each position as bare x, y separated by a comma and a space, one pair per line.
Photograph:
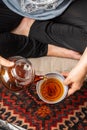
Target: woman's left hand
74, 79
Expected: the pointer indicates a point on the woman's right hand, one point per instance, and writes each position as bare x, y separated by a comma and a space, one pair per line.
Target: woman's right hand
5, 62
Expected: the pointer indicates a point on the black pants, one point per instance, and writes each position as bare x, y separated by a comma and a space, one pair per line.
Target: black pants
68, 30
12, 44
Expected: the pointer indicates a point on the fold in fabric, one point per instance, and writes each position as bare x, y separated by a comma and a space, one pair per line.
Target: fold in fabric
38, 9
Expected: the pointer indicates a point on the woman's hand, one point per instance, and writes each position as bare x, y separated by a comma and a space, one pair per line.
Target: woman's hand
5, 62
76, 77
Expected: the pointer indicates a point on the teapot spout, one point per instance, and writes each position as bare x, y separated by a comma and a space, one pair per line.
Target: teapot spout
38, 78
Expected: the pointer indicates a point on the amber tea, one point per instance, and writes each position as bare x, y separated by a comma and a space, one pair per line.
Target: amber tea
20, 76
51, 90
17, 77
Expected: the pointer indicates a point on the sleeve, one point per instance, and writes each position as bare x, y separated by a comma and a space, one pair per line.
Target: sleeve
60, 34
11, 45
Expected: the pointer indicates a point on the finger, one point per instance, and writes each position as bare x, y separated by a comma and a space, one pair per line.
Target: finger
6, 62
67, 81
65, 74
73, 89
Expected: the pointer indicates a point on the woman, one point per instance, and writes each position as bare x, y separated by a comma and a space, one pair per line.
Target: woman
21, 36
64, 35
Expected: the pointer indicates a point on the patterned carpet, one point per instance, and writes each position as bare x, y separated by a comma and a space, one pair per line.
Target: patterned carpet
28, 111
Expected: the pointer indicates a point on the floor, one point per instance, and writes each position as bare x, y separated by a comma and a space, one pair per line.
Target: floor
44, 65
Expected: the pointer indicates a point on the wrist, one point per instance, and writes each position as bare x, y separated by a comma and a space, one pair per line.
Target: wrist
83, 61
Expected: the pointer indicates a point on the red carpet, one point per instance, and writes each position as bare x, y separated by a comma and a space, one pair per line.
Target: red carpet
28, 111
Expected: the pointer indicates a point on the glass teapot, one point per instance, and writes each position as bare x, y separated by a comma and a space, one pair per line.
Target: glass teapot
20, 76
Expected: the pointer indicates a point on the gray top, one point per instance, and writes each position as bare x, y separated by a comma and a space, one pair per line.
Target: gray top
38, 9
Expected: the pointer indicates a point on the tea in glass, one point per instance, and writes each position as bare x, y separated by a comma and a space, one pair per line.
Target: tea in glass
20, 76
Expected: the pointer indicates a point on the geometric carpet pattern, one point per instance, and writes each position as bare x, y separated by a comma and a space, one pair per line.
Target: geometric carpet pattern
25, 109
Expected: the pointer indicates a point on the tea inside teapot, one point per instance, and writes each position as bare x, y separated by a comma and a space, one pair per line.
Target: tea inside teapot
19, 76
